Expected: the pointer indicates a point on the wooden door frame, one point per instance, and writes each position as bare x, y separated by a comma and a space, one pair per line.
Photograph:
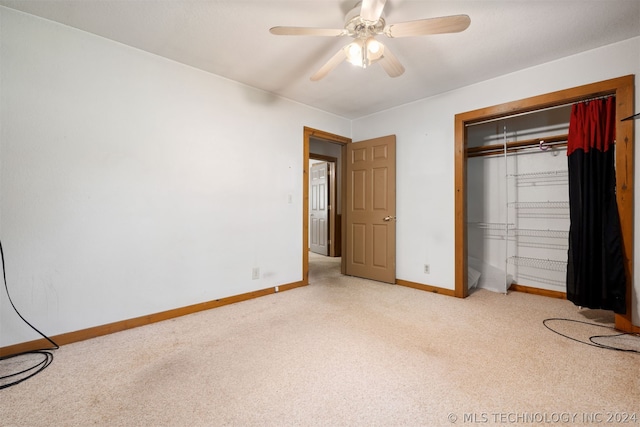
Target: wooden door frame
308, 133
623, 89
332, 216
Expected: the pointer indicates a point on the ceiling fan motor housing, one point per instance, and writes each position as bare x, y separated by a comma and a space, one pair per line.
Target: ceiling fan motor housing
358, 27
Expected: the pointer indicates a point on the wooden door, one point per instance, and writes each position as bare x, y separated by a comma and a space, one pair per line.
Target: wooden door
371, 209
318, 209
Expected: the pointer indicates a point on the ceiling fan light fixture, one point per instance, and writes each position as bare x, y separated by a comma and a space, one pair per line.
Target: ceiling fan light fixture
374, 49
354, 53
363, 53
365, 21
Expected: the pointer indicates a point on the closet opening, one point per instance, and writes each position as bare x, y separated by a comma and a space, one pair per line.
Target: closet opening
527, 122
517, 203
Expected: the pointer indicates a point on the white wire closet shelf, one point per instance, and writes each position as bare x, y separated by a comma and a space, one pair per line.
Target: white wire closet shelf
511, 229
525, 237
539, 263
556, 177
540, 205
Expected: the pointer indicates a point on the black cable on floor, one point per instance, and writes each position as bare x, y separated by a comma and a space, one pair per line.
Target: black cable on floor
591, 341
45, 353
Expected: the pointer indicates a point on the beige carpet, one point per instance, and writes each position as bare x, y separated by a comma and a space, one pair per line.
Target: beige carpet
340, 352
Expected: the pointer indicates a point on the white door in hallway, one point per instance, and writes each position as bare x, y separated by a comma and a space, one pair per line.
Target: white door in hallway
318, 209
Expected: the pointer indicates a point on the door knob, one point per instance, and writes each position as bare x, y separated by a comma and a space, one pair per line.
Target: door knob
388, 218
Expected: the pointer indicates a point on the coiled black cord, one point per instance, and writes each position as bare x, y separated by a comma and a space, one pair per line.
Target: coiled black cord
592, 339
45, 353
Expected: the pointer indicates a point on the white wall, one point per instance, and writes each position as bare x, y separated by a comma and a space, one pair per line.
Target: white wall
425, 152
130, 184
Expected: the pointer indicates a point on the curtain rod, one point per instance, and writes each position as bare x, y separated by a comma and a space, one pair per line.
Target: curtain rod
540, 110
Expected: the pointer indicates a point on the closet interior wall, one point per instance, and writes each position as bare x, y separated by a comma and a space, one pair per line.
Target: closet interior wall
518, 202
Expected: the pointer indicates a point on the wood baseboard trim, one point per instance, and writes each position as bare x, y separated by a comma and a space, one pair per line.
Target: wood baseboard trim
537, 291
426, 288
97, 331
290, 286
623, 324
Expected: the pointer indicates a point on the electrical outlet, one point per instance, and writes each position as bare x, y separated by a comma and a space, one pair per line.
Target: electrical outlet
426, 269
255, 274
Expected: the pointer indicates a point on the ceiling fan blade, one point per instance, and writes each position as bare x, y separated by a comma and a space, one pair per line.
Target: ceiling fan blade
422, 27
371, 10
332, 63
306, 31
390, 63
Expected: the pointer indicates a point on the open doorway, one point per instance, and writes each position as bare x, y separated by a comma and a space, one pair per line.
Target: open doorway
367, 194
326, 147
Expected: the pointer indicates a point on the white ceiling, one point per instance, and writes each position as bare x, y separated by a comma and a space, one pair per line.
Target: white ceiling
231, 38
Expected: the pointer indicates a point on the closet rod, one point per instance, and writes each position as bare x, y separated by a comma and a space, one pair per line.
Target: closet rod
493, 149
553, 107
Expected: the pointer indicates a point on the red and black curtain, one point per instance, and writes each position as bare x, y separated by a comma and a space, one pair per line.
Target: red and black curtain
595, 267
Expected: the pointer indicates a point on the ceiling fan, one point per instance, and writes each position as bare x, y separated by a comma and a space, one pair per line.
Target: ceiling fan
363, 23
